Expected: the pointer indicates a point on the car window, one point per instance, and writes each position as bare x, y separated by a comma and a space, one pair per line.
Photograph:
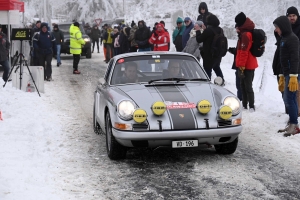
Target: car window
142, 69
65, 28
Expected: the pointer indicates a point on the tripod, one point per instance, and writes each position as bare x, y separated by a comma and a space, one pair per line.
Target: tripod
21, 58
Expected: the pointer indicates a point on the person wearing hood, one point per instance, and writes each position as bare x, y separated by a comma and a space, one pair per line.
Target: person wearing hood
192, 46
245, 61
189, 25
59, 39
160, 39
45, 45
4, 53
288, 78
123, 41
76, 41
203, 13
207, 37
177, 34
142, 36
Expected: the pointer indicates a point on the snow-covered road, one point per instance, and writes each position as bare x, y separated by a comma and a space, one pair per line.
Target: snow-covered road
71, 162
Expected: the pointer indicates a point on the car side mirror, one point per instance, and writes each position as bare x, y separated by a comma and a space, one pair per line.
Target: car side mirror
101, 81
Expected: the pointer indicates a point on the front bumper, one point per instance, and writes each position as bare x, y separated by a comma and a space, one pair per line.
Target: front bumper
165, 138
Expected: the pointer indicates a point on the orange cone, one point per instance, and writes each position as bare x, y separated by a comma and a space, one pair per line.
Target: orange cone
1, 116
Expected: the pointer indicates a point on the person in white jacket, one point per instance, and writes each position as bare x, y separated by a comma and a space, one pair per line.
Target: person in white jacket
192, 46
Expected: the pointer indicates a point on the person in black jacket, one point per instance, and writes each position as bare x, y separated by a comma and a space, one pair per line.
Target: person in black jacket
142, 36
288, 78
59, 39
95, 35
203, 13
207, 38
4, 52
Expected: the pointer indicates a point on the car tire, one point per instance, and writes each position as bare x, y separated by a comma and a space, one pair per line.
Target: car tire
89, 53
96, 126
228, 148
115, 151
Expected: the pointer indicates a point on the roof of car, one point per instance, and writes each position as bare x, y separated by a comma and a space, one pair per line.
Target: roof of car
151, 53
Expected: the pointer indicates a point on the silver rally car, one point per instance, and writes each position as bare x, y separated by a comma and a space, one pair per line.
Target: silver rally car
163, 99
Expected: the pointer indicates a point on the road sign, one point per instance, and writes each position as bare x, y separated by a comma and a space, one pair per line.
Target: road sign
98, 21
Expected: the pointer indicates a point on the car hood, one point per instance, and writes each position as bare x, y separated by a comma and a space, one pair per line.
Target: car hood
181, 100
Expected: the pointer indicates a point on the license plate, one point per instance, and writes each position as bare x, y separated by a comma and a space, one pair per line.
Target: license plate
184, 143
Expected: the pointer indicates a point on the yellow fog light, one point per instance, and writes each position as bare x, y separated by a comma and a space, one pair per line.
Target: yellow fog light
204, 106
139, 115
159, 108
225, 112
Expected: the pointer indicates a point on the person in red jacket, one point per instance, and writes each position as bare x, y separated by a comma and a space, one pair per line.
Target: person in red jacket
245, 61
160, 38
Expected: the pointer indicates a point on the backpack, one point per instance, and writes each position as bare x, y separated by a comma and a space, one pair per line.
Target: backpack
219, 45
259, 40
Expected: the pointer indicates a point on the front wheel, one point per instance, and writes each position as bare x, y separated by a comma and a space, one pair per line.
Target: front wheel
228, 148
115, 151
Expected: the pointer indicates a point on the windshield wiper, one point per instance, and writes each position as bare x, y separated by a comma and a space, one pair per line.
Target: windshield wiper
198, 79
168, 79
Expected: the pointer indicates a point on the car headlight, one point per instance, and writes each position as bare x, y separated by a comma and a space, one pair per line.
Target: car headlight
233, 103
126, 109
86, 39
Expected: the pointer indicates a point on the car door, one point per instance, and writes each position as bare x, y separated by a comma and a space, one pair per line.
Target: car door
101, 95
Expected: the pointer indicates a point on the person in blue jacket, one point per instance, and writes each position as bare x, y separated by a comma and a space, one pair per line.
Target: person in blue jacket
189, 25
177, 34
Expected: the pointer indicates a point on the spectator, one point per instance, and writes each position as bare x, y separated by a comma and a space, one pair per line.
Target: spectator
166, 30
193, 47
186, 34
142, 36
108, 44
87, 29
123, 40
34, 54
177, 34
289, 61
116, 37
133, 44
203, 13
209, 62
4, 53
76, 42
59, 39
245, 61
160, 39
95, 35
45, 45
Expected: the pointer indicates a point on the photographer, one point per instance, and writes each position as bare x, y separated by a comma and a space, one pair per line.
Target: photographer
4, 50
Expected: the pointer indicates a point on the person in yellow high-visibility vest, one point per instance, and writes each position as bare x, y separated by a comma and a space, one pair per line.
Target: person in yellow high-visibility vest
76, 42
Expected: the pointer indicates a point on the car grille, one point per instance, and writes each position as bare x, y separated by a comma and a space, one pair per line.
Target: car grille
140, 127
222, 123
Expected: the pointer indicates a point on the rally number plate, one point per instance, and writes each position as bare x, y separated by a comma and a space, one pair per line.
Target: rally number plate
184, 143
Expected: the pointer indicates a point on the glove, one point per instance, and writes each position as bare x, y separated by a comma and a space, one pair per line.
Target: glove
293, 83
232, 50
281, 83
242, 68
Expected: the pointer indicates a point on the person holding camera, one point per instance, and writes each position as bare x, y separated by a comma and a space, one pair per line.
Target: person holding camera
4, 52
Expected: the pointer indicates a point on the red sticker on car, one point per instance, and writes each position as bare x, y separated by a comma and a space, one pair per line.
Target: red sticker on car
179, 105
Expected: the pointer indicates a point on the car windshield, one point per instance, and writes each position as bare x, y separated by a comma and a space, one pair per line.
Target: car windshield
153, 68
66, 27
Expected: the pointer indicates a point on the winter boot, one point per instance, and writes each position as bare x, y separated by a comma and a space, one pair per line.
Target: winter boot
292, 129
286, 127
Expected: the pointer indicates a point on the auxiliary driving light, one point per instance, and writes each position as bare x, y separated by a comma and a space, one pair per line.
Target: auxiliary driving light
225, 112
204, 106
159, 108
139, 115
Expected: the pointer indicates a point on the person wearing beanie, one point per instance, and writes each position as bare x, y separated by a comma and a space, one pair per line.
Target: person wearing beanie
207, 36
45, 45
160, 39
288, 78
189, 25
192, 46
203, 12
293, 16
76, 41
59, 39
4, 53
177, 34
245, 61
133, 44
